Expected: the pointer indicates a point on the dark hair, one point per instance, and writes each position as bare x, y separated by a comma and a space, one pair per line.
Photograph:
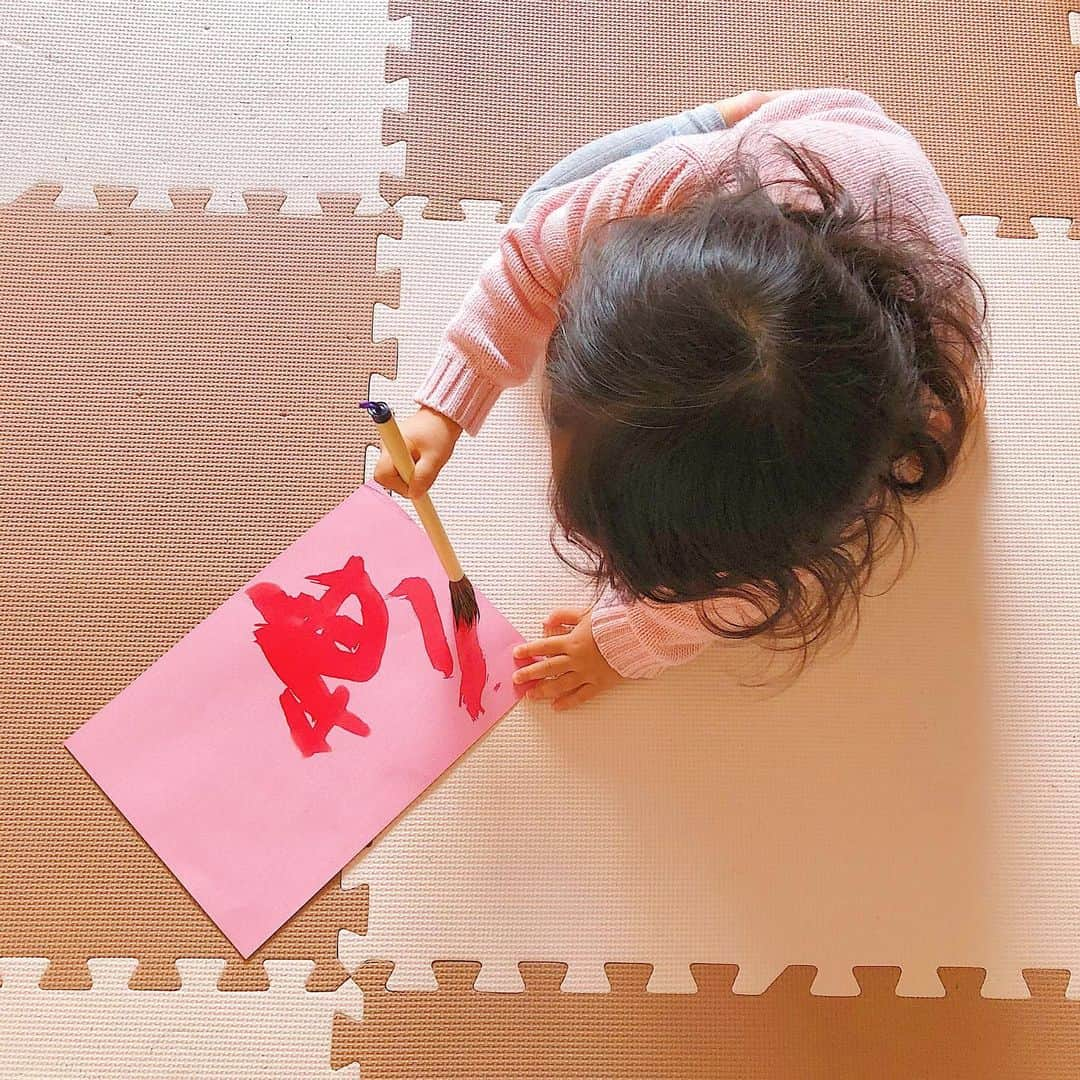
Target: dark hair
746, 390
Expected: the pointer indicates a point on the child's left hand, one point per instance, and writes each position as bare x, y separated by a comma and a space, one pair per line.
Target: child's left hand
573, 669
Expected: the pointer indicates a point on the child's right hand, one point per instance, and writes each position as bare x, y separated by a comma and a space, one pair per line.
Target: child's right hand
431, 437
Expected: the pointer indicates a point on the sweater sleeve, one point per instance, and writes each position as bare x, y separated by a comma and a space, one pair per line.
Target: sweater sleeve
833, 104
640, 639
500, 332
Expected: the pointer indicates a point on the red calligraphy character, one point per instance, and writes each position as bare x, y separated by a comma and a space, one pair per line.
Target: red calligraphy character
306, 641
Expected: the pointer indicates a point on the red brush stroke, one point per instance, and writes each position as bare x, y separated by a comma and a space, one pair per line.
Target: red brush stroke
419, 593
305, 640
473, 668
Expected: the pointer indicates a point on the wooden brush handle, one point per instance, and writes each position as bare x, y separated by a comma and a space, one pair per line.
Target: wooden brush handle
394, 442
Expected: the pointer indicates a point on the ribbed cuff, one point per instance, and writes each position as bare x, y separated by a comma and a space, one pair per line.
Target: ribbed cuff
620, 645
702, 118
455, 388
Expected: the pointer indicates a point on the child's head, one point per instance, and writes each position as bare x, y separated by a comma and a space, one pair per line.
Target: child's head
742, 394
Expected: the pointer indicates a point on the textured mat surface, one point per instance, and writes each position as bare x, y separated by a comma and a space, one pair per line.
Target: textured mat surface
179, 400
848, 820
178, 392
498, 92
114, 1033
211, 93
712, 1034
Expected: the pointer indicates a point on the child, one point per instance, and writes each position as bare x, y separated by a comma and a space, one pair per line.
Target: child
761, 337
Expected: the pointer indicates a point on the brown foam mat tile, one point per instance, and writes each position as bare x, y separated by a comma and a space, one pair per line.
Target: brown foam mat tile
498, 92
783, 1033
179, 399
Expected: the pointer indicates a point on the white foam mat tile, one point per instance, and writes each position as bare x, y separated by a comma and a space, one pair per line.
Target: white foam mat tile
195, 1033
213, 94
910, 801
1029, 836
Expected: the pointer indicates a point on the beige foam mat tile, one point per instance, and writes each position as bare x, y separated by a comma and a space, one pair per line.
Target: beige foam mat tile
910, 802
500, 91
217, 94
712, 1034
178, 393
193, 1033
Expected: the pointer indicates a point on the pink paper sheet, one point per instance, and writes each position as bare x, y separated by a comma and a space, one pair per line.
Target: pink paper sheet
197, 753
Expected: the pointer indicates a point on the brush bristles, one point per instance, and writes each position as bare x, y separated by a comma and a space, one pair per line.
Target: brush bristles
463, 602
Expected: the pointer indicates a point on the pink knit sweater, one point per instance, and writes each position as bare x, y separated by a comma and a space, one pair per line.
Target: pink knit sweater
499, 335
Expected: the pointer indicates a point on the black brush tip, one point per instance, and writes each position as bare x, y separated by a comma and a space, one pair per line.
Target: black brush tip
463, 602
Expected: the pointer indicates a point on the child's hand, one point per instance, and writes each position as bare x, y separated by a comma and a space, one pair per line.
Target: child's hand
734, 109
431, 437
573, 669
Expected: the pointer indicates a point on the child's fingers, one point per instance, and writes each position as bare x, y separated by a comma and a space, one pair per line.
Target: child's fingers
577, 697
542, 669
427, 468
563, 617
739, 107
388, 476
553, 688
550, 646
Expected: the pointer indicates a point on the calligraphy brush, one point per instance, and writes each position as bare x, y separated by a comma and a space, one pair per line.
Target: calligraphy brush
462, 594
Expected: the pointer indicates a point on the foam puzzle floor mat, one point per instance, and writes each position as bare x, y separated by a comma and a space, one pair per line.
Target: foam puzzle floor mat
713, 1034
498, 92
175, 385
872, 873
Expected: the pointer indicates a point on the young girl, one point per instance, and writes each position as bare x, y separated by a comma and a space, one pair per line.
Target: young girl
761, 338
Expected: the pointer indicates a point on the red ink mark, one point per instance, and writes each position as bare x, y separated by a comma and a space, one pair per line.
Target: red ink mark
473, 669
495, 688
305, 641
419, 594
